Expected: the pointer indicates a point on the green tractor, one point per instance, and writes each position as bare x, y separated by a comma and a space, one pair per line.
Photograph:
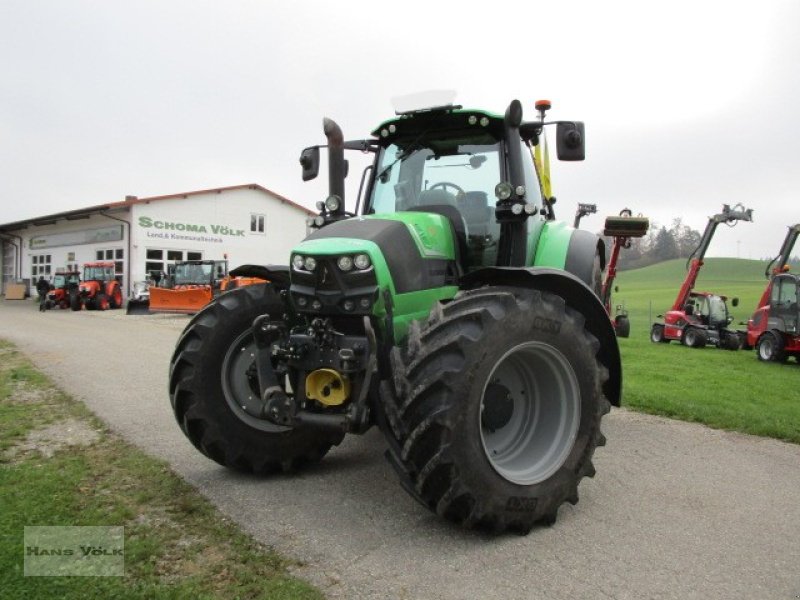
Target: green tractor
449, 308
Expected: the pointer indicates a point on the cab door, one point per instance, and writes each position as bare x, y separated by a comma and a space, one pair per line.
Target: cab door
783, 303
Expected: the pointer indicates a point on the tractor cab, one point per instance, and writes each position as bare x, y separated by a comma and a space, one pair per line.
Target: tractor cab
64, 281
98, 271
784, 313
709, 310
453, 176
199, 272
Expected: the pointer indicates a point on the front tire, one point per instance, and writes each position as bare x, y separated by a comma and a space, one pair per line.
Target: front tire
499, 408
657, 334
115, 299
212, 376
769, 348
622, 326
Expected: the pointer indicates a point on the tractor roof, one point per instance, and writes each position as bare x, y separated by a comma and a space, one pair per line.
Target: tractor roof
440, 117
103, 263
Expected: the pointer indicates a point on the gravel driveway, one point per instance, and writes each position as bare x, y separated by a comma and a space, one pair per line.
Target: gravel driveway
676, 510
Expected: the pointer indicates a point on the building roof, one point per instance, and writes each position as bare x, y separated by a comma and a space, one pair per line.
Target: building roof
82, 213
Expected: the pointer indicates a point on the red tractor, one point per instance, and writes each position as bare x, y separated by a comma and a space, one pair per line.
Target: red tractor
60, 290
99, 289
700, 318
622, 229
774, 329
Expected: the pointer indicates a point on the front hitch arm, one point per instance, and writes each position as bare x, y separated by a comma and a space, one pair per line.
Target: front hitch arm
282, 409
276, 405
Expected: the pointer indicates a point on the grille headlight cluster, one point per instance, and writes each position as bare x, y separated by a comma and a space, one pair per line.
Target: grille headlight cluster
304, 263
359, 261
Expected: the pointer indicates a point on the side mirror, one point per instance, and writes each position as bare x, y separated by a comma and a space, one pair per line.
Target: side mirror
309, 160
735, 302
570, 140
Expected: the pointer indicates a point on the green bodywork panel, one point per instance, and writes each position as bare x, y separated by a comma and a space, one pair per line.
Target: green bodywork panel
550, 249
433, 236
431, 232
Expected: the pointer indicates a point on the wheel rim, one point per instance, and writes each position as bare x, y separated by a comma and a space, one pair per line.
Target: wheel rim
690, 338
655, 334
240, 383
765, 348
530, 435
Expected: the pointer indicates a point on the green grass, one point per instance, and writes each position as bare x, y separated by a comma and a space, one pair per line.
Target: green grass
176, 544
727, 390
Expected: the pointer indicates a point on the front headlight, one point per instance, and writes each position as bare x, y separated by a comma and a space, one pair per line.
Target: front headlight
332, 203
503, 191
298, 261
310, 263
345, 263
362, 261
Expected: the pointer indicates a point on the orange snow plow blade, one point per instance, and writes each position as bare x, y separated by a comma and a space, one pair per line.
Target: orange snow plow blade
187, 301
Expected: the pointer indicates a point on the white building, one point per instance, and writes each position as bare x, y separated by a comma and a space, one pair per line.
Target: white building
247, 224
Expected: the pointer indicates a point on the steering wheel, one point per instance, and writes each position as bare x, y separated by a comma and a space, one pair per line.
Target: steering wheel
460, 193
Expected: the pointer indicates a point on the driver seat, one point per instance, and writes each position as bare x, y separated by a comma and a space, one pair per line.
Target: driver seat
436, 197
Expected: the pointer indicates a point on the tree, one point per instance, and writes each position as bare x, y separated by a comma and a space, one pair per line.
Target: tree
665, 247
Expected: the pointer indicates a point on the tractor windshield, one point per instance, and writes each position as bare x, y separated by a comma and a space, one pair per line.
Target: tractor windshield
98, 273
435, 173
59, 281
193, 274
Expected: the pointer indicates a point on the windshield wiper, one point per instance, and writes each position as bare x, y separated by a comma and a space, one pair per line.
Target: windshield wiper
412, 149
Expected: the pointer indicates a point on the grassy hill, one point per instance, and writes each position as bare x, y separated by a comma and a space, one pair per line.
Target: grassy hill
728, 390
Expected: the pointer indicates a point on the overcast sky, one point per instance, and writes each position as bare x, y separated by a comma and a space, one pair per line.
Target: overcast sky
688, 105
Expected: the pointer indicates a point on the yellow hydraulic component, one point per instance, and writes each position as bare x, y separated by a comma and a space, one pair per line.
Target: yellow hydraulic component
327, 387
541, 156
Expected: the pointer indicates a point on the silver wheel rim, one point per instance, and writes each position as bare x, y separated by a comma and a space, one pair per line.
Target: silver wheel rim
543, 425
236, 383
765, 348
655, 335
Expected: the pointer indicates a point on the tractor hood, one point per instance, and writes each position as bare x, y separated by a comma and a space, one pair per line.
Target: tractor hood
405, 252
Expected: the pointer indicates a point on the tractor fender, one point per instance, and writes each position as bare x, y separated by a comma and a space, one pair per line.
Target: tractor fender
578, 296
574, 250
278, 275
583, 247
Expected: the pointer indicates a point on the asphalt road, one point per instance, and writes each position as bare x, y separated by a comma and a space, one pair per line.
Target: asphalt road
676, 510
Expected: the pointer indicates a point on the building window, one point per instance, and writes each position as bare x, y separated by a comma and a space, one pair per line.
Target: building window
40, 265
256, 223
113, 254
159, 259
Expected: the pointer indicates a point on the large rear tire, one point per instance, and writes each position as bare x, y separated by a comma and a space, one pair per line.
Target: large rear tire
74, 300
694, 337
496, 408
212, 376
